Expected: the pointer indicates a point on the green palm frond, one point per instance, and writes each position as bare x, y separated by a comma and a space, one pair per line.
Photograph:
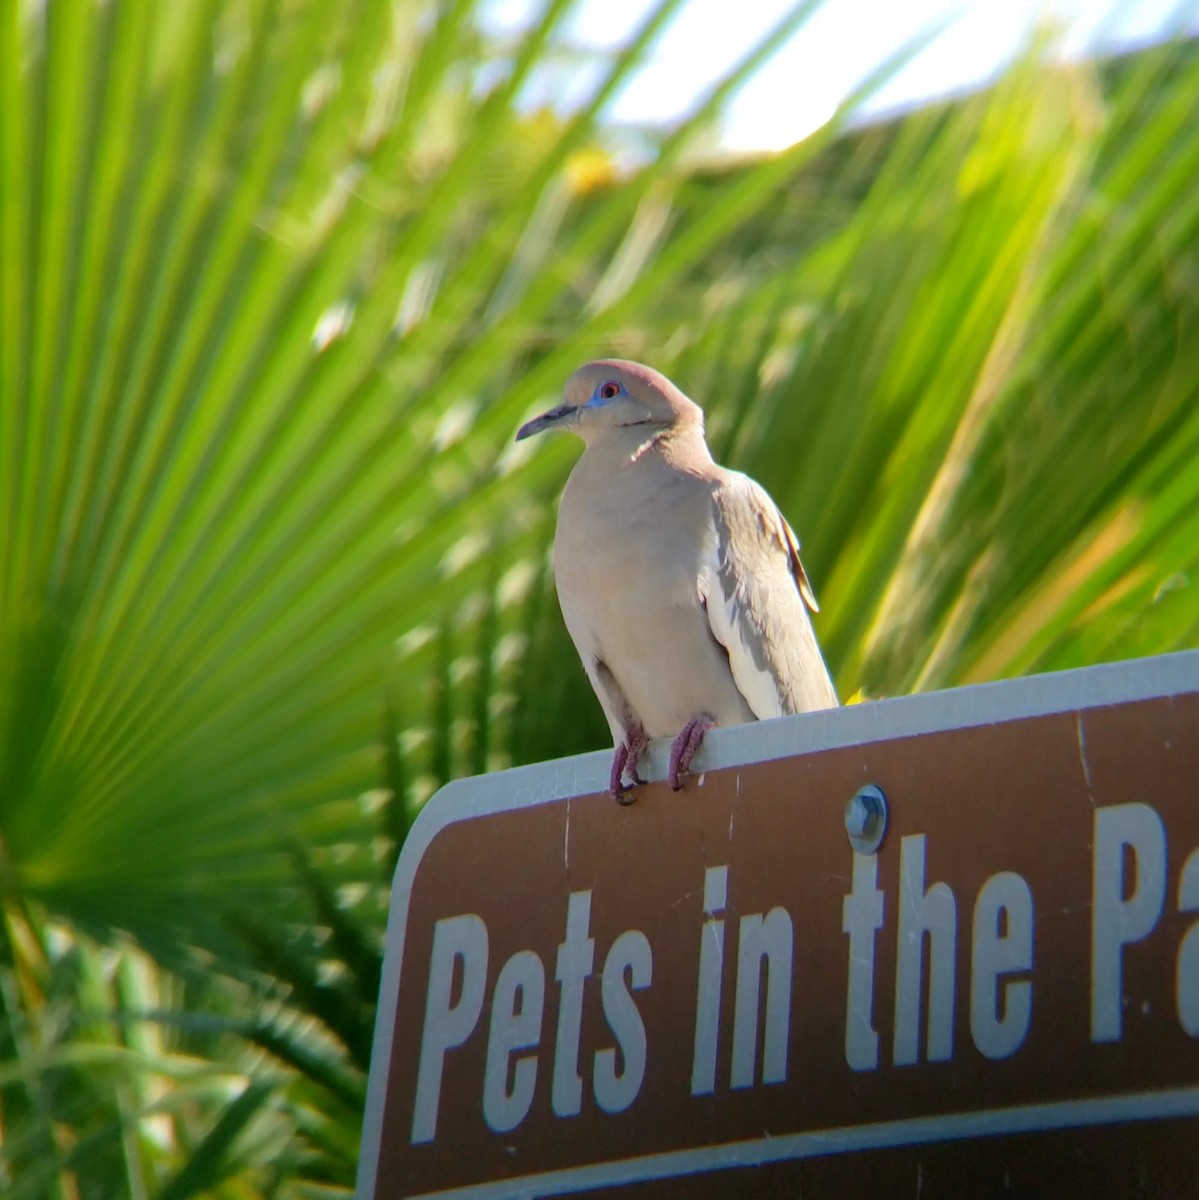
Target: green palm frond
278, 281
975, 396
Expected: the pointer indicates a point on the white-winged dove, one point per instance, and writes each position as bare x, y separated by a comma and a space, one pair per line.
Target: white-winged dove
680, 581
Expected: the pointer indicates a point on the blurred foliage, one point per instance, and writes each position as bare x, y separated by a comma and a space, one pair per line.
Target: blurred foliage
278, 280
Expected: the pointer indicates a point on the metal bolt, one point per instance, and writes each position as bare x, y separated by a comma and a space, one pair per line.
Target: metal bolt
866, 819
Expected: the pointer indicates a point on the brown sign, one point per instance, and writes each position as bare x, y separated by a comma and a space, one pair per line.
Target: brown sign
710, 992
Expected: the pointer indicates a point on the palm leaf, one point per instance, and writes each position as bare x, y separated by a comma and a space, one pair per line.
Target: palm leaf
259, 367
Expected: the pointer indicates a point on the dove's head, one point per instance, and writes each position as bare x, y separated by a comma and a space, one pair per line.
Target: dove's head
610, 395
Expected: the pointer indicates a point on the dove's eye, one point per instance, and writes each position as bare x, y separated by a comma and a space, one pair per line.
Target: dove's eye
609, 390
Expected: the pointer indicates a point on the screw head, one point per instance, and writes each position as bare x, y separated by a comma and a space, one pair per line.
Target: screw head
866, 819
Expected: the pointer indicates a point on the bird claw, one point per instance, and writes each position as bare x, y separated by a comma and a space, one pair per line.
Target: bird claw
684, 747
624, 761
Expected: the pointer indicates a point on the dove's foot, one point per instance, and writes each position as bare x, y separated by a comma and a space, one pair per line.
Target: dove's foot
683, 749
624, 762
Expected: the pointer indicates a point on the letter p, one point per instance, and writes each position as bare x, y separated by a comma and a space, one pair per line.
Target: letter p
1122, 914
448, 1025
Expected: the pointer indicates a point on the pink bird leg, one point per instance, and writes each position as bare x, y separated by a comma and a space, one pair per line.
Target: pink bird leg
625, 761
683, 748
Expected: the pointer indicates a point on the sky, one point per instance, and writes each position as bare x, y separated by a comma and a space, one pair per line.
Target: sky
835, 51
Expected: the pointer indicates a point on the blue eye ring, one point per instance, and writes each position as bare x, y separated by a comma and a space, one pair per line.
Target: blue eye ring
609, 390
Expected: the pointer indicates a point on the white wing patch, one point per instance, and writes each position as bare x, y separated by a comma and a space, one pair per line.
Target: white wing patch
726, 620
757, 596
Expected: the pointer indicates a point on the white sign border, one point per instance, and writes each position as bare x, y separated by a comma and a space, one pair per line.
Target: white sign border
861, 724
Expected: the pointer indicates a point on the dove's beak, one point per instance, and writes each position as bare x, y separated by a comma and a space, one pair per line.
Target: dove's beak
548, 420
